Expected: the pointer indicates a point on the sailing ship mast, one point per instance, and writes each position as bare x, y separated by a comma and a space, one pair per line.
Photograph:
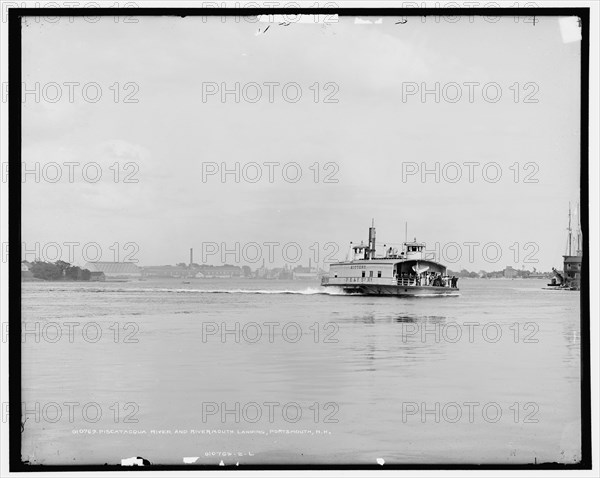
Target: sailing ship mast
578, 231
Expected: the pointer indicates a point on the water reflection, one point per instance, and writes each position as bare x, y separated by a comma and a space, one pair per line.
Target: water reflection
389, 344
572, 353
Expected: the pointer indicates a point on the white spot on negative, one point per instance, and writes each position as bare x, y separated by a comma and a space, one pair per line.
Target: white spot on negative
570, 29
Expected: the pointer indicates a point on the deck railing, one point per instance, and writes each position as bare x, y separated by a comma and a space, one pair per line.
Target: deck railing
400, 281
404, 281
407, 281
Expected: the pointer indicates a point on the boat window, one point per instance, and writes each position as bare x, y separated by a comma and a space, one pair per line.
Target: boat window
378, 273
370, 273
363, 273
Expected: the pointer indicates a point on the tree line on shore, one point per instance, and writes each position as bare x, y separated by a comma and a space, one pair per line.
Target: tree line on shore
59, 270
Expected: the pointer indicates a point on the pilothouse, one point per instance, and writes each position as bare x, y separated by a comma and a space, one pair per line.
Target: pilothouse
411, 272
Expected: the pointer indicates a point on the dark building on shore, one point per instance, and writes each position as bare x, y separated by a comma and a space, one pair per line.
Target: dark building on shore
572, 271
572, 262
25, 270
97, 276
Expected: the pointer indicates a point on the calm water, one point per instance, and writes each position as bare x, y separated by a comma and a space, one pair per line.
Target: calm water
491, 376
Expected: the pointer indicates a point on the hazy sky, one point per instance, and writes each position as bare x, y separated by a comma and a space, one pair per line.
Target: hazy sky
371, 133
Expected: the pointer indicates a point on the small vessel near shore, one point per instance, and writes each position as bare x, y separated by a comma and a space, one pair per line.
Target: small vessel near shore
570, 277
412, 272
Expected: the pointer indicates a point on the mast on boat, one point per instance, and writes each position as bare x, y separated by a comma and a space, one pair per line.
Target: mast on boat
578, 231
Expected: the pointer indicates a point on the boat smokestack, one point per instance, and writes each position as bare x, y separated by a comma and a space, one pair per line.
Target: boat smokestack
372, 240
570, 230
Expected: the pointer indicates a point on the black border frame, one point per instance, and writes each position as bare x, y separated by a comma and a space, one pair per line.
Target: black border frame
14, 293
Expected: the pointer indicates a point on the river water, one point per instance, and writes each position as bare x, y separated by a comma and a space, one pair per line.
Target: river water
275, 372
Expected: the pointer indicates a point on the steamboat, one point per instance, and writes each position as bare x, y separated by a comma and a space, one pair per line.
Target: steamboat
412, 272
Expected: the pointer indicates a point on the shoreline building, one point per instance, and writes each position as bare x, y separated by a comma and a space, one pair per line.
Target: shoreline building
225, 271
305, 273
97, 277
169, 272
115, 270
509, 272
25, 270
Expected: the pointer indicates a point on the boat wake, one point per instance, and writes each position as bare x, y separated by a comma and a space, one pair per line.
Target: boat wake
308, 291
165, 290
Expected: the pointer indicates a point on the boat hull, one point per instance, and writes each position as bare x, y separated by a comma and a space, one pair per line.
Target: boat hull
559, 287
396, 290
